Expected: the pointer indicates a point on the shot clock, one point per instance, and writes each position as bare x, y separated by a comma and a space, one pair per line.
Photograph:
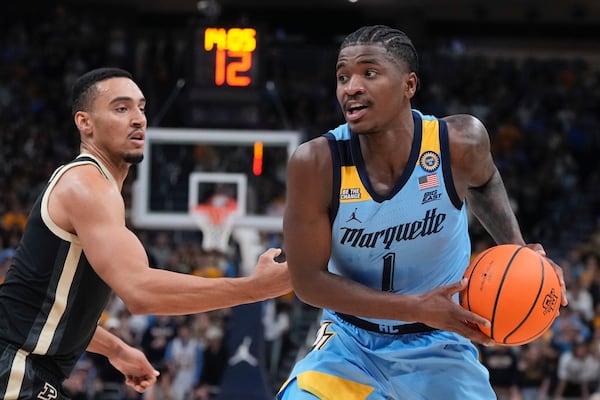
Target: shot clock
226, 86
233, 51
226, 57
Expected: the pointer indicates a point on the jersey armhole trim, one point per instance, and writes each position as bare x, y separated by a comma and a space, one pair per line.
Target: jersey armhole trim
447, 165
54, 228
336, 179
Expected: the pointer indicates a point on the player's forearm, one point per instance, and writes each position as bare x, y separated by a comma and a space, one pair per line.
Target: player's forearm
491, 205
167, 293
105, 343
343, 295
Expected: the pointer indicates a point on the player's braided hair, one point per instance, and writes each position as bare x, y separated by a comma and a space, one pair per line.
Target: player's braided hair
83, 90
396, 43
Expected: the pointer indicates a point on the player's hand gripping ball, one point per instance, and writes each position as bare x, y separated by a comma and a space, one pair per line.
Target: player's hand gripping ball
516, 289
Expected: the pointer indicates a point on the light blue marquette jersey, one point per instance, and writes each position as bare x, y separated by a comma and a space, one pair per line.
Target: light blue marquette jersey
411, 240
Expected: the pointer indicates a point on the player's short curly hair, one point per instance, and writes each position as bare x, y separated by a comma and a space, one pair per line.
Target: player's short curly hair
396, 43
82, 93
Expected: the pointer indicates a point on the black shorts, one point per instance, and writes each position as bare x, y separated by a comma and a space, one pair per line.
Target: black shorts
21, 379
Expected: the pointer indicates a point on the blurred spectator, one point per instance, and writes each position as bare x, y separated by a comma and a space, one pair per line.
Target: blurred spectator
215, 358
590, 268
108, 381
161, 249
163, 389
580, 300
501, 361
276, 325
77, 386
6, 256
184, 356
160, 331
15, 217
592, 263
568, 329
537, 369
578, 370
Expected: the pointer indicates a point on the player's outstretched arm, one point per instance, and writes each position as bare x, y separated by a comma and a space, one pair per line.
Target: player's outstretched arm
131, 362
95, 211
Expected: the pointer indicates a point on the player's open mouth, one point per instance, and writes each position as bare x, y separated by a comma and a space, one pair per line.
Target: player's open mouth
355, 112
137, 136
352, 110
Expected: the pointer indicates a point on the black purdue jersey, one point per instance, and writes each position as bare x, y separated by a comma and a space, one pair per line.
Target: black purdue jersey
51, 299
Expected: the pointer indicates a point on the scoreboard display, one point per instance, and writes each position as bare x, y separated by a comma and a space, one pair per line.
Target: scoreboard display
233, 51
226, 57
226, 85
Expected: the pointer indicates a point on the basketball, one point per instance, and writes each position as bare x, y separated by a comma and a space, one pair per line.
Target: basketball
516, 289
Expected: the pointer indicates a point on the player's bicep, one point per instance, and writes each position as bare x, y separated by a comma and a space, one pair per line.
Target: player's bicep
472, 162
116, 255
306, 223
114, 252
481, 157
302, 185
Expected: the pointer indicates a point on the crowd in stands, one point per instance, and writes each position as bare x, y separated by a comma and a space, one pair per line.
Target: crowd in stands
543, 120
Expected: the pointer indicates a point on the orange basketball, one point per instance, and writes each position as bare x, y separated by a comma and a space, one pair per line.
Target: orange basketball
516, 289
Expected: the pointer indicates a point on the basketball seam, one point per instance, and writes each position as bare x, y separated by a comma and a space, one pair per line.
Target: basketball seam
538, 334
535, 303
499, 291
467, 289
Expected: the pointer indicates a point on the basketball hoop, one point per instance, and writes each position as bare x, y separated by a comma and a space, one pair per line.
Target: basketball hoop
216, 218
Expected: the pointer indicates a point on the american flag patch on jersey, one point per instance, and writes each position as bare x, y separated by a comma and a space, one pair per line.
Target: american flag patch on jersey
428, 181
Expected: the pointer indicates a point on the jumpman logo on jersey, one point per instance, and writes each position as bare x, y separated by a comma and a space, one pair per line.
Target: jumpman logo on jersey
242, 353
353, 217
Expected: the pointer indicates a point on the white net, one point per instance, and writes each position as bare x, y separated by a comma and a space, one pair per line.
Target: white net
216, 220
215, 235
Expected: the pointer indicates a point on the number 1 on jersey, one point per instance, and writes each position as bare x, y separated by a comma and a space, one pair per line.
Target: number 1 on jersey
387, 280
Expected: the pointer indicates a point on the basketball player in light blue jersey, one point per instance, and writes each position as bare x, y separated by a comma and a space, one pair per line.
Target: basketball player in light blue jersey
376, 234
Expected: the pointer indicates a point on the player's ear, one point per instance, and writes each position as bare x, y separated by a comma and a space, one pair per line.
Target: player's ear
412, 82
83, 122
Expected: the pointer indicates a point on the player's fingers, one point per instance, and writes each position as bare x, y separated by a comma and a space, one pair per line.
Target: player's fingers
470, 330
131, 381
455, 287
280, 258
271, 253
561, 278
538, 248
140, 384
474, 320
479, 337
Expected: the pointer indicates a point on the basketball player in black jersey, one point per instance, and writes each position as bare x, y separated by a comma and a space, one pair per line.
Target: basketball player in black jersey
76, 249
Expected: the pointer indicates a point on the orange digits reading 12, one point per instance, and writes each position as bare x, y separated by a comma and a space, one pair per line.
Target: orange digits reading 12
233, 57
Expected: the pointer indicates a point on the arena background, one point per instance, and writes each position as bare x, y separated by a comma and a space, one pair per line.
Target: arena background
528, 69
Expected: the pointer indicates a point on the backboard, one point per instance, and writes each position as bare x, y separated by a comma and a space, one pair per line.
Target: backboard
163, 191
